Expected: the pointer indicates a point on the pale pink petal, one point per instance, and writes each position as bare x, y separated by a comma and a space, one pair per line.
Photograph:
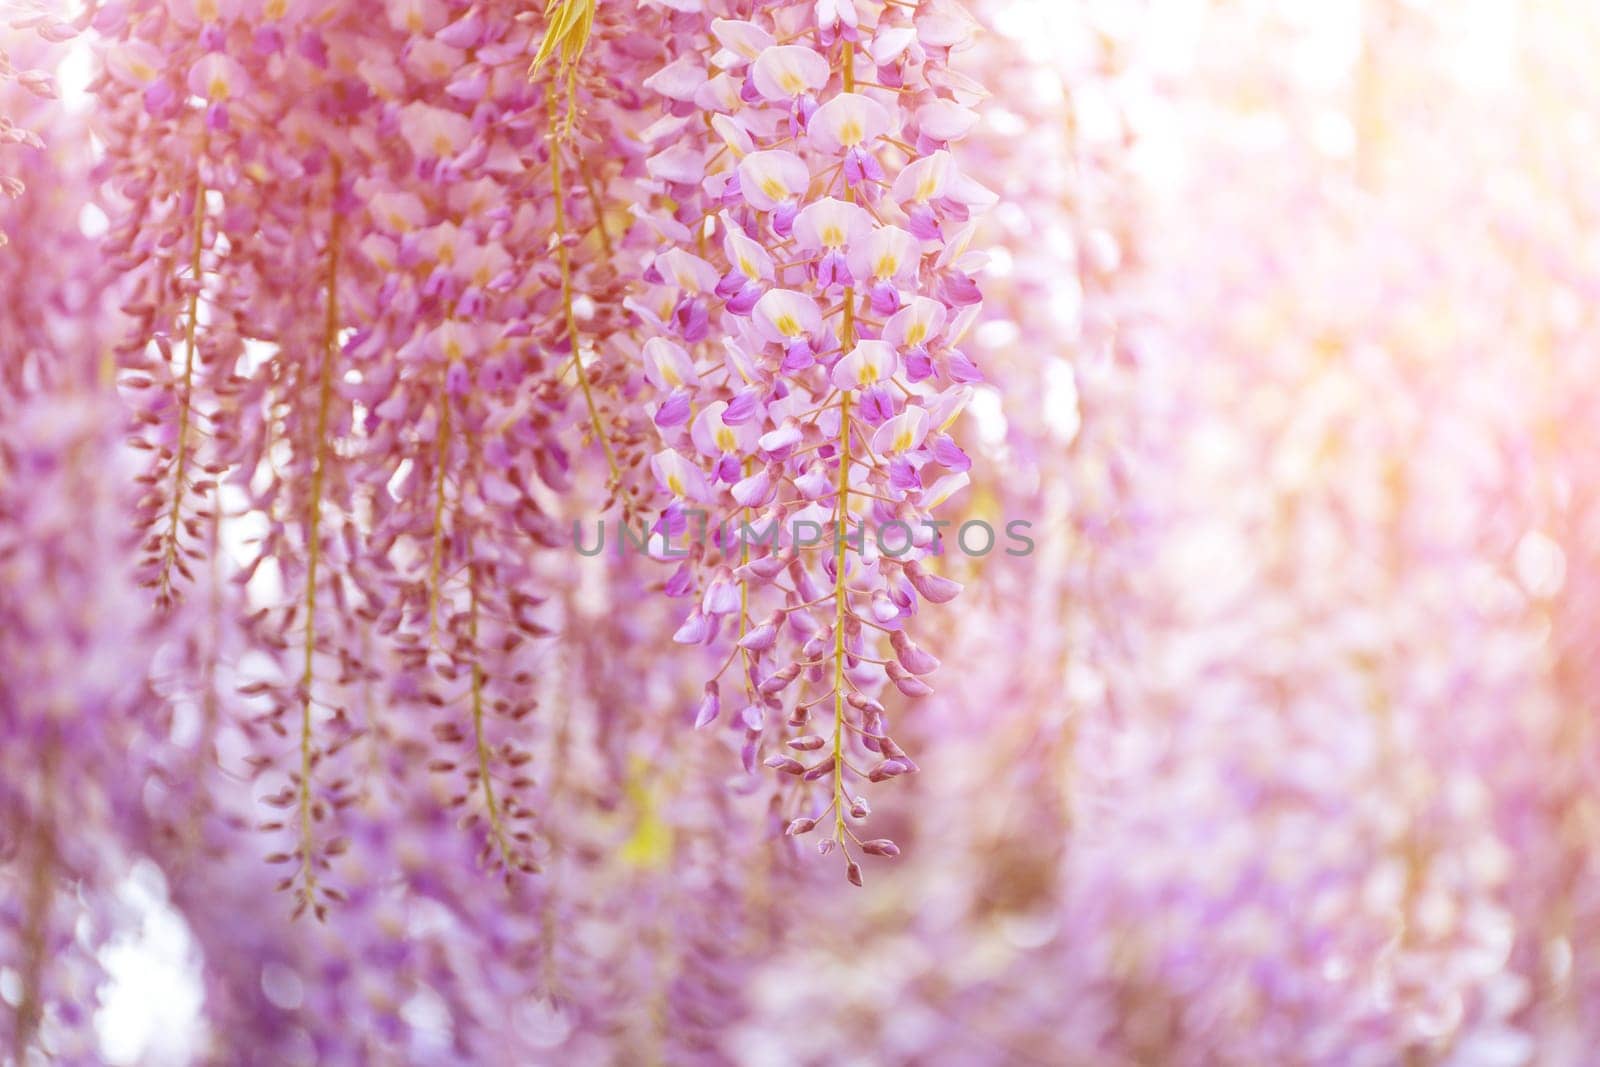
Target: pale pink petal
786, 71
902, 433
667, 366
831, 223
679, 79
135, 63
687, 271
769, 178
868, 363
942, 490
217, 77
681, 164
783, 315
945, 24
748, 257
891, 44
923, 179
679, 476
918, 323
434, 133
886, 254
744, 39
847, 121
945, 120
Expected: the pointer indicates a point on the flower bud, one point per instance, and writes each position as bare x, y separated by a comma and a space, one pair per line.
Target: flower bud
778, 681
886, 769
710, 707
932, 587
821, 769
761, 638
694, 630
906, 682
910, 656
785, 765
753, 717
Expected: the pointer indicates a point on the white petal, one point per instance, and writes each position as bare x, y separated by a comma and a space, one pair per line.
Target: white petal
848, 120
679, 79
786, 71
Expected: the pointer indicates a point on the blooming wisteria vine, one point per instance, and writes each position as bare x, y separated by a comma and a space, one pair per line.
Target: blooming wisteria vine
803, 322
796, 532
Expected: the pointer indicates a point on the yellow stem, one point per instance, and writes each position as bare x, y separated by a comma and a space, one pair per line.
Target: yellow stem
843, 517
330, 344
599, 208
744, 587
842, 511
563, 259
480, 741
185, 401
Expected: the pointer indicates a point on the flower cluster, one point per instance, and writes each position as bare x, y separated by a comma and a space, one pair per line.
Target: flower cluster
803, 328
322, 326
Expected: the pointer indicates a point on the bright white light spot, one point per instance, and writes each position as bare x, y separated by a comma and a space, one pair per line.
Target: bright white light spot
988, 417
74, 75
151, 1006
1541, 565
1061, 401
1334, 135
10, 986
92, 221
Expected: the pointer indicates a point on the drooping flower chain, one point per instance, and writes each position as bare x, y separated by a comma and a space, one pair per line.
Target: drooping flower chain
801, 338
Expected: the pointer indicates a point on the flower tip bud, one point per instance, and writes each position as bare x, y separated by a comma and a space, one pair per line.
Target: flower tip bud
785, 764
710, 707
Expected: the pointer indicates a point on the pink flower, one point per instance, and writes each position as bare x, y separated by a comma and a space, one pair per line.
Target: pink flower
678, 476
849, 121
868, 363
435, 133
714, 437
903, 433
772, 178
782, 72
784, 316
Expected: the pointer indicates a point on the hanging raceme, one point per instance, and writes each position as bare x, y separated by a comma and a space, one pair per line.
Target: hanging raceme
801, 335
